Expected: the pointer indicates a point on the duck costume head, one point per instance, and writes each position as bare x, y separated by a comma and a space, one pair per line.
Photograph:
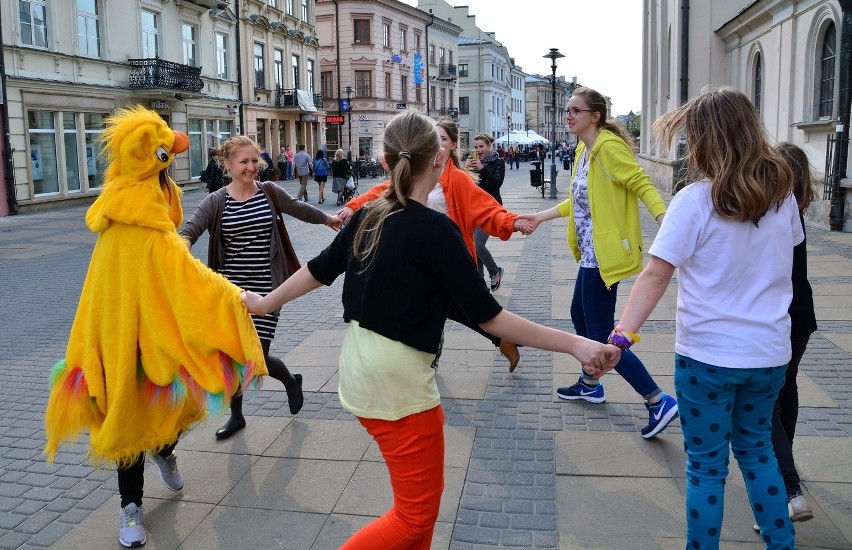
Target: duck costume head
158, 338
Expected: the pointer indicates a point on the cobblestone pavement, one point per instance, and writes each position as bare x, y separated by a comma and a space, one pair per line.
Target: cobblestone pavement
506, 465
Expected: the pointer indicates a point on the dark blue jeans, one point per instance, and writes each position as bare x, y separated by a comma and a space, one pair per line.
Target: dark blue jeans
593, 315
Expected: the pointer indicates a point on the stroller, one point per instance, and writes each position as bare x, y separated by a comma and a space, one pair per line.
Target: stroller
349, 191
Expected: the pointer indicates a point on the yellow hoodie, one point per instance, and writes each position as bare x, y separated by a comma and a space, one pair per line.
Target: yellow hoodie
157, 337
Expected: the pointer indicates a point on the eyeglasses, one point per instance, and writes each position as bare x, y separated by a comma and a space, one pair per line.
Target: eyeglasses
573, 111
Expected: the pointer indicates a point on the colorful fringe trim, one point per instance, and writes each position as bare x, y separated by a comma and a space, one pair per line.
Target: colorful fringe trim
70, 409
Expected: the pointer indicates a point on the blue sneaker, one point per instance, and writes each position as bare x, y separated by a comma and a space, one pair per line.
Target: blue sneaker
659, 415
580, 390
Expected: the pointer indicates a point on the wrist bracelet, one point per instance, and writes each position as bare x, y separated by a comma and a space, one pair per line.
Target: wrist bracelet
619, 340
632, 335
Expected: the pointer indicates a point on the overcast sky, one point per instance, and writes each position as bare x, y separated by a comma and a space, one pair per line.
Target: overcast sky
601, 41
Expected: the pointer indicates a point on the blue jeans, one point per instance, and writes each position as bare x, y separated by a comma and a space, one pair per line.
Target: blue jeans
593, 315
721, 408
288, 171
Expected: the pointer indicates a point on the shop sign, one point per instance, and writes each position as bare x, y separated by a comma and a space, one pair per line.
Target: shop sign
335, 119
160, 105
309, 118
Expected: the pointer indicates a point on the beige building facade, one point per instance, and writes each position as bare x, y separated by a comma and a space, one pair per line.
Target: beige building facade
71, 63
280, 68
371, 49
785, 55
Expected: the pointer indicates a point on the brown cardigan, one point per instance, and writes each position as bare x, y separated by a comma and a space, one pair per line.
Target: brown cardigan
208, 216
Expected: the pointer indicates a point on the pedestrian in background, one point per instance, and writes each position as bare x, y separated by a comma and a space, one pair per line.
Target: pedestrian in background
605, 236
321, 167
246, 247
213, 176
290, 157
492, 171
266, 170
302, 166
731, 238
282, 163
386, 377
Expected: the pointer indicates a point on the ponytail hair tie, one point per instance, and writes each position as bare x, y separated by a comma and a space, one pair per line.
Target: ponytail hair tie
405, 154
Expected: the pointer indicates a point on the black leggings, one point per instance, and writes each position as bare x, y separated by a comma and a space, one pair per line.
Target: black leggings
132, 478
275, 366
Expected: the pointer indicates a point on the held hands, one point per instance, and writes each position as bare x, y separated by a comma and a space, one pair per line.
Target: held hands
524, 226
345, 213
334, 222
597, 359
253, 302
532, 221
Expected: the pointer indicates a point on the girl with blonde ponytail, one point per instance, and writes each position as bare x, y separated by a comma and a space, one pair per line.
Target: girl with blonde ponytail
404, 264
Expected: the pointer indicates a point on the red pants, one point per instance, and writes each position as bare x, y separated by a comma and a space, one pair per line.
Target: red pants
413, 449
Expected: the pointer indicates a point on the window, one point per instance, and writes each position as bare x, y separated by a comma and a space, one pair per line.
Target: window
362, 31
403, 84
758, 81
310, 75
43, 152
33, 18
72, 160
431, 54
93, 127
826, 72
305, 11
150, 45
88, 32
386, 35
387, 85
278, 61
452, 97
464, 105
463, 70
416, 43
327, 78
196, 149
443, 100
442, 55
432, 99
290, 10
450, 52
188, 38
221, 56
418, 94
403, 39
362, 83
259, 77
294, 64
273, 3
365, 146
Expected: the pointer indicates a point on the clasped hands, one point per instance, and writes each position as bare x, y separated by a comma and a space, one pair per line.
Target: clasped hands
602, 362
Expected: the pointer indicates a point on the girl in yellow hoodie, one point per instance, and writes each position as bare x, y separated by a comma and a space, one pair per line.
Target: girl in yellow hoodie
605, 237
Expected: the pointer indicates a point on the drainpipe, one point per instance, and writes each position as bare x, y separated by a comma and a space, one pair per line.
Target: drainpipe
240, 70
337, 61
8, 166
428, 82
679, 172
835, 219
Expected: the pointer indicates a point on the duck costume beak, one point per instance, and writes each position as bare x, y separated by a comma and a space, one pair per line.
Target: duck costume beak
181, 143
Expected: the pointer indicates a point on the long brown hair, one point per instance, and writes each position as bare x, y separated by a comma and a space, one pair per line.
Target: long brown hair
410, 146
449, 125
803, 180
597, 103
725, 142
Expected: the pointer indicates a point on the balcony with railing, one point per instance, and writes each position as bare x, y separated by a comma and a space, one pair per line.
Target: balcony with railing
156, 73
290, 99
447, 71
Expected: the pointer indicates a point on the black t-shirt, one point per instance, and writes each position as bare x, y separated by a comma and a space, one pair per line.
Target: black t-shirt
420, 265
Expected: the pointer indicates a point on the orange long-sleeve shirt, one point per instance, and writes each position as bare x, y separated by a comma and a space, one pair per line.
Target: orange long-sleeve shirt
467, 205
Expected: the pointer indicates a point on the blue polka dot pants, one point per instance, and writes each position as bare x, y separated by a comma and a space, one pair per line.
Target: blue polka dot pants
722, 408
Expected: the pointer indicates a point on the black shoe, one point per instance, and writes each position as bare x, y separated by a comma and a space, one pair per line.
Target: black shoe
295, 397
232, 426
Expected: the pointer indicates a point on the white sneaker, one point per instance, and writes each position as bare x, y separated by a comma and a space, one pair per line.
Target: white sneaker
131, 532
799, 508
168, 471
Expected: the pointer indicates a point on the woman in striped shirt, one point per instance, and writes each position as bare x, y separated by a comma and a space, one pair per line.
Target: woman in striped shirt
245, 247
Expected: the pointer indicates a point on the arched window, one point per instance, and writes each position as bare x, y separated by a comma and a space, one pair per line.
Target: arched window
826, 72
758, 81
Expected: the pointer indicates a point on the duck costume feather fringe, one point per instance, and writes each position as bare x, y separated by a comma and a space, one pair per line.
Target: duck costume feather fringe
158, 338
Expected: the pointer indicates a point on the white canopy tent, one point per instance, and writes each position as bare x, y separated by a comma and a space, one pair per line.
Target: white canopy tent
520, 138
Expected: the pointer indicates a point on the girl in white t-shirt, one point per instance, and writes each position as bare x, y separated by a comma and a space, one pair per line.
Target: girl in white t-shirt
731, 238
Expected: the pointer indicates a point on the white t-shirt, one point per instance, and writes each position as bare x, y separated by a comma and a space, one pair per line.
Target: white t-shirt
734, 280
436, 200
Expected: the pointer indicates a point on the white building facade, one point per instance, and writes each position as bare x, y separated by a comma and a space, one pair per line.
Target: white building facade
785, 55
70, 64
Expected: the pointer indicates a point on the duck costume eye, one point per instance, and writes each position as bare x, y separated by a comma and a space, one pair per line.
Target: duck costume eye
162, 154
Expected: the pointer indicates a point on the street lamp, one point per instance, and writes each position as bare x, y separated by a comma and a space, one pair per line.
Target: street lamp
509, 130
553, 56
349, 91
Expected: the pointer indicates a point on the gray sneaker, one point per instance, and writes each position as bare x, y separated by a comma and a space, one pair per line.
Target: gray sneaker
168, 471
131, 533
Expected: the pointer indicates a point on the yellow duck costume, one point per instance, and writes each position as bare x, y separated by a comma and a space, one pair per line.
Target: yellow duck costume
158, 338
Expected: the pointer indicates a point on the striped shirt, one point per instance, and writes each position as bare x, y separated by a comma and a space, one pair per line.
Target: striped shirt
246, 235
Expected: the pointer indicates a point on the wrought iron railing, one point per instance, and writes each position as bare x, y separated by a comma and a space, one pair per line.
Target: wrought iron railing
835, 150
158, 73
447, 71
289, 98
